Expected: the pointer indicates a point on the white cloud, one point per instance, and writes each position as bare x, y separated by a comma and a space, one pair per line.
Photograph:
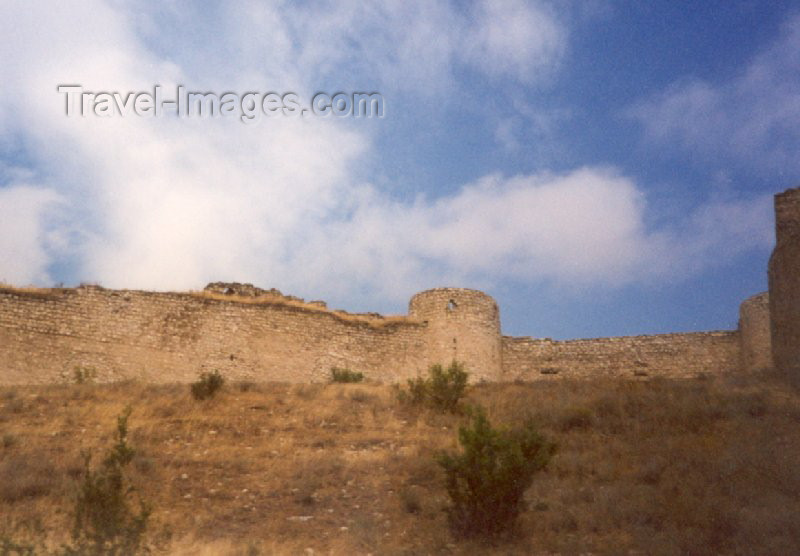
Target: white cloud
514, 38
175, 203
24, 236
170, 202
752, 118
584, 227
533, 128
715, 232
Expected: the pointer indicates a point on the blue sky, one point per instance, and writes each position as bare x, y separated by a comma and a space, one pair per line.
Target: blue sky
600, 168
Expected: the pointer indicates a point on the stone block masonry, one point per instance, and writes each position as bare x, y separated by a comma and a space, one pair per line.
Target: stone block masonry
756, 336
784, 284
670, 355
172, 337
168, 337
249, 333
461, 324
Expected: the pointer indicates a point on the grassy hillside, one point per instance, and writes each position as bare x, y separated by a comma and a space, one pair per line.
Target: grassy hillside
657, 467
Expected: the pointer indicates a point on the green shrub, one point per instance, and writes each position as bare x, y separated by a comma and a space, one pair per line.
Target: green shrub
488, 479
104, 522
447, 386
207, 385
345, 375
417, 391
442, 389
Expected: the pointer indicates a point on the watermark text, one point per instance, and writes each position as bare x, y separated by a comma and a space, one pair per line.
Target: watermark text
249, 107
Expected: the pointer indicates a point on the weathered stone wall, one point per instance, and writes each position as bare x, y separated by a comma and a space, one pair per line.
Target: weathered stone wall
172, 337
675, 355
464, 325
166, 337
784, 283
754, 333
249, 333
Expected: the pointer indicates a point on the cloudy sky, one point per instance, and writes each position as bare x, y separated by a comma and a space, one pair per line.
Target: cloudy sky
600, 168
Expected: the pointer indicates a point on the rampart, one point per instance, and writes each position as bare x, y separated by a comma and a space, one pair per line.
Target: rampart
756, 336
249, 333
674, 355
163, 337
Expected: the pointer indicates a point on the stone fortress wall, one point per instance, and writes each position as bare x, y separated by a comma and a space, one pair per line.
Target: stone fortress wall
252, 334
166, 337
673, 355
463, 325
784, 283
756, 337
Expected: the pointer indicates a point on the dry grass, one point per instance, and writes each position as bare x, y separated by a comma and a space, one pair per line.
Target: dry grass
275, 299
47, 293
657, 467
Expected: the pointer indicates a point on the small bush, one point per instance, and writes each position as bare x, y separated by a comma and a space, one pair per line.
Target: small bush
9, 440
417, 391
442, 389
16, 405
247, 386
345, 375
207, 385
104, 522
8, 395
360, 396
84, 375
411, 500
487, 481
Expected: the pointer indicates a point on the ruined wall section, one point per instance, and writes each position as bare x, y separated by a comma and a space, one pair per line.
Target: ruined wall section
754, 333
163, 337
784, 283
464, 325
673, 355
167, 337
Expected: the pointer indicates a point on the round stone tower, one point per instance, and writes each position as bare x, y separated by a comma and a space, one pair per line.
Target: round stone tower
754, 333
463, 325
